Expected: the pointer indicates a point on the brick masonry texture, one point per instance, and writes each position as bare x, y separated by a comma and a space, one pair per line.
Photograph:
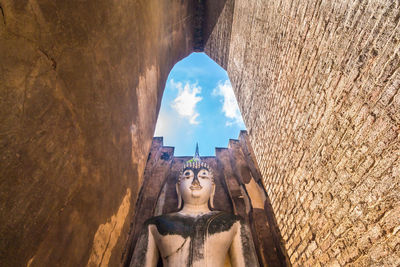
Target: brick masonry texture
318, 86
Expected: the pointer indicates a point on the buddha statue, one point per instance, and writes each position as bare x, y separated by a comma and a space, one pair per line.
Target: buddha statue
195, 235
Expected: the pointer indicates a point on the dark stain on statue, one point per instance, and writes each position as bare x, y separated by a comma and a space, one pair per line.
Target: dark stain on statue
177, 224
222, 222
184, 226
246, 242
173, 224
194, 227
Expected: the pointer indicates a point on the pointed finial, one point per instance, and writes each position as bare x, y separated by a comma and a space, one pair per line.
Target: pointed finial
195, 162
196, 154
196, 157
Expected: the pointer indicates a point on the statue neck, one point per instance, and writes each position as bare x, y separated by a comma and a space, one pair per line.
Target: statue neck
194, 210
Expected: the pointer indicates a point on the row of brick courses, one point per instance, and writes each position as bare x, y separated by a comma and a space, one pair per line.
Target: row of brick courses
318, 86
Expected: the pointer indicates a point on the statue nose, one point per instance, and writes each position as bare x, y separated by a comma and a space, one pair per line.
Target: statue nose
195, 181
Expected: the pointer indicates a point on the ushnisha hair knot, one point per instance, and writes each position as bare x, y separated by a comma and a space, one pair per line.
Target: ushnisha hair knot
195, 163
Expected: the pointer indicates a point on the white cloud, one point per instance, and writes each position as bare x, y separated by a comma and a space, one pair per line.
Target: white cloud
229, 107
186, 100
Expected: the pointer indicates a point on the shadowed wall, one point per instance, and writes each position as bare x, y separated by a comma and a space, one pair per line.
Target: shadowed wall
81, 84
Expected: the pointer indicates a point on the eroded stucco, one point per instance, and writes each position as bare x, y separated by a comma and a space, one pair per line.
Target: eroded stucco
108, 233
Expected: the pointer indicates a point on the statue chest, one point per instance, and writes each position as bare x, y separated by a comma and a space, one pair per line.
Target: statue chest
188, 241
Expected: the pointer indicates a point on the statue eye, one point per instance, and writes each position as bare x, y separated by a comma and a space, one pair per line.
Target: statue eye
203, 174
187, 173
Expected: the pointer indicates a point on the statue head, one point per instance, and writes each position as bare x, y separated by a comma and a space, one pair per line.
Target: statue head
195, 184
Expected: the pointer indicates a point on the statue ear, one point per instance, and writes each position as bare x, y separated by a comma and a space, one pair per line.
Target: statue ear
178, 192
212, 196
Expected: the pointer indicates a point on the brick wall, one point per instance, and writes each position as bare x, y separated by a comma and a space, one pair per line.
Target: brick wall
318, 86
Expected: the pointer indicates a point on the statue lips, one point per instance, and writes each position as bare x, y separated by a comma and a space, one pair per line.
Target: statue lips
195, 187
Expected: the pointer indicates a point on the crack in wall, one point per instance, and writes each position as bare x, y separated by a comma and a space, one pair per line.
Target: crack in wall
176, 251
108, 234
54, 63
108, 243
2, 13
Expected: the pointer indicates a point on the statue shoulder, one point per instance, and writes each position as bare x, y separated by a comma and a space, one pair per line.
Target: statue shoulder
161, 219
225, 215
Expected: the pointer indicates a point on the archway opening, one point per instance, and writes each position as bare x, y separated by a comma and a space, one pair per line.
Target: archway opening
198, 105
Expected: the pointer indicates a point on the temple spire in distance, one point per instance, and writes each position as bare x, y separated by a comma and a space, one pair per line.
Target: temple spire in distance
196, 157
197, 154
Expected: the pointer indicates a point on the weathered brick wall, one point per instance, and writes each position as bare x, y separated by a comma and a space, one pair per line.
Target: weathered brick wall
217, 29
318, 86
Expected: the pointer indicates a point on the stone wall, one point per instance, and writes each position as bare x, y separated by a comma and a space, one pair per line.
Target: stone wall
80, 88
318, 85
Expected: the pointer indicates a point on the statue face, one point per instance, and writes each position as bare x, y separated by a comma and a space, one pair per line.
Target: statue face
196, 185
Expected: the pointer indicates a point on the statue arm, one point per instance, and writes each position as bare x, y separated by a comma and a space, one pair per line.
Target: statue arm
242, 251
146, 252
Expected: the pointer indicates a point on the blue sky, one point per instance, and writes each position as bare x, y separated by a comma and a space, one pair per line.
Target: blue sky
198, 105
